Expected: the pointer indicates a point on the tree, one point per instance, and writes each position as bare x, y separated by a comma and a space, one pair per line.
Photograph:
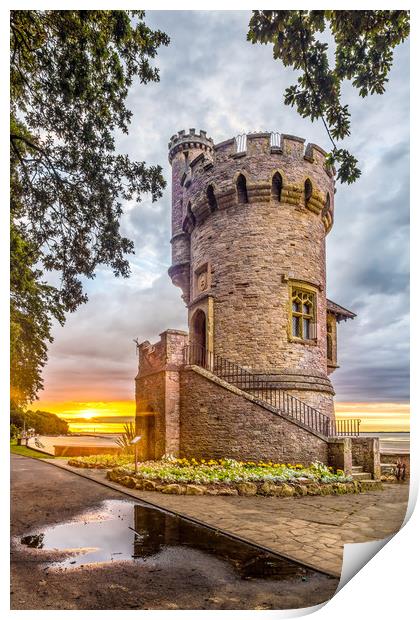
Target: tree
44, 422
364, 43
70, 76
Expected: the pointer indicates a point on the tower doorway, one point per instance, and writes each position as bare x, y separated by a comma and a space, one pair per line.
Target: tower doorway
150, 435
198, 337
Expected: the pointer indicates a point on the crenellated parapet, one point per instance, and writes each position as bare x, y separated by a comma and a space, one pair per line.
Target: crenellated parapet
185, 141
277, 170
265, 154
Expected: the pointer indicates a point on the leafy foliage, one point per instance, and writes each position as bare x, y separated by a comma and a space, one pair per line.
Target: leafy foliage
43, 422
364, 43
171, 469
128, 435
70, 75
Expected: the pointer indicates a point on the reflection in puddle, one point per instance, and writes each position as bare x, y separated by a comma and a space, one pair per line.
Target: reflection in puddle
36, 541
121, 531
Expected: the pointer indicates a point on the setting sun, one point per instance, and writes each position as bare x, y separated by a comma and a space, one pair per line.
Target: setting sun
88, 414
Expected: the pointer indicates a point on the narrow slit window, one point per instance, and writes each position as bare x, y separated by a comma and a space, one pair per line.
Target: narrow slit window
276, 187
241, 189
308, 192
330, 357
211, 198
190, 214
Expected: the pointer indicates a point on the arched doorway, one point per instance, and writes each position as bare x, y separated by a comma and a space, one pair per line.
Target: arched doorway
150, 434
198, 337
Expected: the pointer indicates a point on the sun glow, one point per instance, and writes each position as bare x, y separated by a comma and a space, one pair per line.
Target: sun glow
91, 416
88, 414
110, 416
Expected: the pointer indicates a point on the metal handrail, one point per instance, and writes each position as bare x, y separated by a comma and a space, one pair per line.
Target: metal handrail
282, 401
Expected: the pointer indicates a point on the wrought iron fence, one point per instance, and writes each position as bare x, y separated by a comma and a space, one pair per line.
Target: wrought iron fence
349, 427
264, 391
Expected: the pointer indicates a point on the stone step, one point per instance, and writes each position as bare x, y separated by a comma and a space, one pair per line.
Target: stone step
361, 475
388, 468
357, 468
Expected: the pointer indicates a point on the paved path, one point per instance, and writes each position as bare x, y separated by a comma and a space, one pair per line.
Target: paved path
312, 530
176, 577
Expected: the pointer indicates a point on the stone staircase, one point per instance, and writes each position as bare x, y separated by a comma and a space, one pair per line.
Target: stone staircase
358, 473
266, 392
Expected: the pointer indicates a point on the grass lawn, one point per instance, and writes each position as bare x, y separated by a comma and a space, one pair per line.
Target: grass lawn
24, 451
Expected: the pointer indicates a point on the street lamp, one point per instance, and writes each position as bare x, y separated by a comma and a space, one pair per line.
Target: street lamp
134, 442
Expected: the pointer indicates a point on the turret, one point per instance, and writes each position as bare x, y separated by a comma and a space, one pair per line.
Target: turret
183, 149
250, 216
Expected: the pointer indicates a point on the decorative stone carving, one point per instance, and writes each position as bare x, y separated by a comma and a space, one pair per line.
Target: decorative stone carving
202, 282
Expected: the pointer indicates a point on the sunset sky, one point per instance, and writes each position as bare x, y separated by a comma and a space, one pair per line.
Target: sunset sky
213, 79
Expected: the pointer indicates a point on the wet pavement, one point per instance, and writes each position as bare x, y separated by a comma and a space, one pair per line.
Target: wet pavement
119, 530
77, 545
312, 530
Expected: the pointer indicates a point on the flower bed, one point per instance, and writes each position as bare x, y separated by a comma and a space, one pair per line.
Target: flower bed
226, 477
101, 461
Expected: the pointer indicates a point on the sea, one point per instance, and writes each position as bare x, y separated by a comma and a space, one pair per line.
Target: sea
391, 442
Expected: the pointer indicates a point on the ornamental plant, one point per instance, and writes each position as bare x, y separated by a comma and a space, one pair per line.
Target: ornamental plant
170, 469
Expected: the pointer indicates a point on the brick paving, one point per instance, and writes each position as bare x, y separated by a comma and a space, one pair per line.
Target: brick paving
312, 530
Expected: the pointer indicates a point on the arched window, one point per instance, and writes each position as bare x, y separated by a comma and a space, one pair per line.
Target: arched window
308, 191
276, 187
211, 198
241, 189
303, 313
326, 207
190, 214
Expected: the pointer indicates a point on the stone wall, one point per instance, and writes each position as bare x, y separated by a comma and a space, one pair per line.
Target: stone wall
365, 453
339, 454
393, 458
217, 421
61, 450
158, 394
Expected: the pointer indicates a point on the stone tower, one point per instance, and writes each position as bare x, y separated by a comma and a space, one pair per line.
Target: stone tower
249, 220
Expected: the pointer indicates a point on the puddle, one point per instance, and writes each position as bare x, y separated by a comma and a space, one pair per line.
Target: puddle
122, 531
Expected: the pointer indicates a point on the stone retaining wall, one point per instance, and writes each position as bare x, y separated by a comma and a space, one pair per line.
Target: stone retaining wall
267, 488
217, 422
393, 457
84, 450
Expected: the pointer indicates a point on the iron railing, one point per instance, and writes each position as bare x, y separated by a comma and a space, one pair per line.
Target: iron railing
263, 390
349, 427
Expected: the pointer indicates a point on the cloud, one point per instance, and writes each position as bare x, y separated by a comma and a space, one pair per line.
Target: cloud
213, 79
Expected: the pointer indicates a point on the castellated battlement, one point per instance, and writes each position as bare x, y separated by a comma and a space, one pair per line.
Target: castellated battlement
184, 141
275, 168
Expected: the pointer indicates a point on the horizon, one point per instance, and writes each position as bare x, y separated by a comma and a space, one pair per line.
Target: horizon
82, 416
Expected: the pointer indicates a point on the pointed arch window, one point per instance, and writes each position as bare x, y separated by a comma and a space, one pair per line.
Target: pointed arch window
308, 192
189, 221
241, 189
276, 187
303, 313
211, 198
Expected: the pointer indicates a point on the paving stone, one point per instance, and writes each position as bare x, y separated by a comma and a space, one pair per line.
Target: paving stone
287, 526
